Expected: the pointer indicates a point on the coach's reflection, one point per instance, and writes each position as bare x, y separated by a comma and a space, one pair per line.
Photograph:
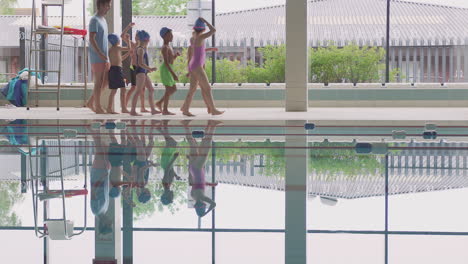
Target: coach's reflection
197, 158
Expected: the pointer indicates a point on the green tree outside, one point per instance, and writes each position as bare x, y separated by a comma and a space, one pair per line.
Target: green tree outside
7, 7
159, 7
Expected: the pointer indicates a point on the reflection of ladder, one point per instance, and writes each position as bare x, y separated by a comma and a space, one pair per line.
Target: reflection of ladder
61, 228
35, 50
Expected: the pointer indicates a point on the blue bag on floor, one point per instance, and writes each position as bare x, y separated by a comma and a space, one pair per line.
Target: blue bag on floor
16, 92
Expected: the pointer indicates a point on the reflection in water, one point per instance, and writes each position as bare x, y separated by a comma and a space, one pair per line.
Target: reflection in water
198, 157
165, 175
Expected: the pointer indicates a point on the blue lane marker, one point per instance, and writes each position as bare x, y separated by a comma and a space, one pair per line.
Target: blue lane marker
110, 125
430, 135
363, 148
198, 134
309, 126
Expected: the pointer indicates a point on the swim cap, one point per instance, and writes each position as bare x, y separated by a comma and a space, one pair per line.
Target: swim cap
113, 39
164, 31
143, 35
199, 25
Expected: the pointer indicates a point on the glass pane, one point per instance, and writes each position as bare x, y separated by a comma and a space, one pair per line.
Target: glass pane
172, 247
61, 251
345, 189
249, 248
20, 247
345, 248
428, 188
427, 249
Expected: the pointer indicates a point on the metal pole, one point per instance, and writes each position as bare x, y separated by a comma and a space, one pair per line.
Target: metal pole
127, 19
213, 215
387, 61
213, 42
386, 208
22, 45
24, 180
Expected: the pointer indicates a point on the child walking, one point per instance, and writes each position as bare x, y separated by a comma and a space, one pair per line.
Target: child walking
116, 78
168, 77
133, 57
142, 71
197, 72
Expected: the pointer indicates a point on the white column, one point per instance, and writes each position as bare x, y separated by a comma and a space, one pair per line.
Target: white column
114, 21
296, 56
296, 194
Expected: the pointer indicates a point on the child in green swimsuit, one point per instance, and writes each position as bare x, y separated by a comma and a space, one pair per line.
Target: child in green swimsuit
168, 76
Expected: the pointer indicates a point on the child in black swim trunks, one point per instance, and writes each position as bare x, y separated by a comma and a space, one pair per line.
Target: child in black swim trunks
116, 78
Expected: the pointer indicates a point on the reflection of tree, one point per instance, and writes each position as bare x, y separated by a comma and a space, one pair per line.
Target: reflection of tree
9, 196
273, 153
342, 161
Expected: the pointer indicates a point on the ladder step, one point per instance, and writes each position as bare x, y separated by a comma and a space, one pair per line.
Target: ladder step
37, 91
45, 155
51, 4
41, 177
44, 71
55, 32
54, 50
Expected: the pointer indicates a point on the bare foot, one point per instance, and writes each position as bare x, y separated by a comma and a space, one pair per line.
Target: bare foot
155, 123
135, 114
112, 112
125, 111
167, 113
144, 110
90, 106
187, 113
155, 112
185, 122
159, 105
217, 112
100, 111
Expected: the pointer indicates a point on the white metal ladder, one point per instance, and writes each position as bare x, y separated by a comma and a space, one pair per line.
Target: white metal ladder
55, 229
34, 52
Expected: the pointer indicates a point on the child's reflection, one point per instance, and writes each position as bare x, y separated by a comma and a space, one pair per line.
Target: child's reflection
168, 157
198, 156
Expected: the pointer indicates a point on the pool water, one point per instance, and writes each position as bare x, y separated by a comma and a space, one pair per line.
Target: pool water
232, 192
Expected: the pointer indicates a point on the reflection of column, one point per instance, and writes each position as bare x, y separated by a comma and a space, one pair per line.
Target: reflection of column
108, 242
127, 232
296, 55
296, 193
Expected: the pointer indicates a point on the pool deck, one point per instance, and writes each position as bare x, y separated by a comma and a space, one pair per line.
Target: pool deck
452, 116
